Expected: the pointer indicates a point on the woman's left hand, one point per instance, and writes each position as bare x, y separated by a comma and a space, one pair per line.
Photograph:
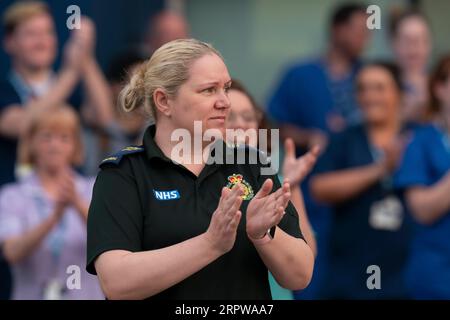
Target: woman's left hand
266, 209
67, 190
296, 169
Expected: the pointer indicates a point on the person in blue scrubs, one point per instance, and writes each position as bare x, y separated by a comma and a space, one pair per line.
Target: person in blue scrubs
315, 98
370, 228
425, 179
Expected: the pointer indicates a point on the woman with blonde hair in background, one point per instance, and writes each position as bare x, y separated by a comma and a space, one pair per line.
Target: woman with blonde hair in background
43, 216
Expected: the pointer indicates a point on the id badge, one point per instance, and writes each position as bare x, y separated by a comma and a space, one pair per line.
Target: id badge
386, 214
53, 290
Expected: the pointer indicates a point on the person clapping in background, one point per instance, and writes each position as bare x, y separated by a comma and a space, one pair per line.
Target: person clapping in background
43, 216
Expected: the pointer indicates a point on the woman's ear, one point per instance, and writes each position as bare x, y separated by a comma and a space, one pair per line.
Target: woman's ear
161, 100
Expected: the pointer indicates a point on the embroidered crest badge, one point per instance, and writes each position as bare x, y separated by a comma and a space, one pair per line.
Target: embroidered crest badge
238, 178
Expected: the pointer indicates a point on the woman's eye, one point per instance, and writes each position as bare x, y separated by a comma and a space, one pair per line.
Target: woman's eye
227, 89
209, 90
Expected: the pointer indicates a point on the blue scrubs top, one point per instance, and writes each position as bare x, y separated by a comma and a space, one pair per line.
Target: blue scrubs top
426, 161
373, 228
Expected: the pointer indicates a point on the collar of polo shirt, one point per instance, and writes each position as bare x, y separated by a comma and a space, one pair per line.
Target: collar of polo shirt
154, 151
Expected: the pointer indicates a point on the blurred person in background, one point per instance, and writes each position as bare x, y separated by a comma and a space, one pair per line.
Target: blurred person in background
424, 177
32, 85
412, 44
245, 114
163, 27
117, 129
316, 98
43, 216
355, 176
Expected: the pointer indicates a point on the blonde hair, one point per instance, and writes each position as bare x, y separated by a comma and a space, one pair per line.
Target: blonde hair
56, 118
21, 11
168, 69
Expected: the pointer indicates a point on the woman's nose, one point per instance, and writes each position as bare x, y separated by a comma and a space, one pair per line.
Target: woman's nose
223, 102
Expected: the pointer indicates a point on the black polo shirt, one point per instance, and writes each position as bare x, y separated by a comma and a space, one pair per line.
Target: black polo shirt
144, 201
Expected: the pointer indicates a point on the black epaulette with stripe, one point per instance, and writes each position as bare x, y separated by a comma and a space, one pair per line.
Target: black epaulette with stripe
115, 159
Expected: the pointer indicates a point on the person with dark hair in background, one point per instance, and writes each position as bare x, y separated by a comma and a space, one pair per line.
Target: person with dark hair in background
411, 43
370, 226
316, 98
424, 178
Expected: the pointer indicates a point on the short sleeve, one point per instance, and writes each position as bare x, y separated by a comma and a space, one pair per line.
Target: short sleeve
115, 220
290, 222
334, 156
413, 169
11, 212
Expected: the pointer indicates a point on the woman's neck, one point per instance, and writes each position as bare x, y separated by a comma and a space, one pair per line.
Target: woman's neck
414, 75
381, 134
192, 155
338, 63
49, 180
32, 75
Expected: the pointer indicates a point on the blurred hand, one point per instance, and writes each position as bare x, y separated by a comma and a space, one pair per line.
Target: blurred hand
393, 154
317, 138
296, 169
59, 209
86, 36
67, 194
72, 54
266, 209
225, 220
81, 45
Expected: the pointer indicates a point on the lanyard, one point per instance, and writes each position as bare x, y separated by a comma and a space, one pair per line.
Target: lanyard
25, 90
22, 88
387, 182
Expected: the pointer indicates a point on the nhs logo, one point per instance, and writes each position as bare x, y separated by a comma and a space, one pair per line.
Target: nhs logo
166, 195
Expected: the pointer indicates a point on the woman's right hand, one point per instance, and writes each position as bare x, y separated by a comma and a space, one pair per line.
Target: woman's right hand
222, 229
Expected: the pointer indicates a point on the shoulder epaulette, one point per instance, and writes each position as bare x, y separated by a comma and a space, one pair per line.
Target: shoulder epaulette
115, 159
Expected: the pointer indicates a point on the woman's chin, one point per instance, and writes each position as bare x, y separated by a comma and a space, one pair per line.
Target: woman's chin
52, 167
